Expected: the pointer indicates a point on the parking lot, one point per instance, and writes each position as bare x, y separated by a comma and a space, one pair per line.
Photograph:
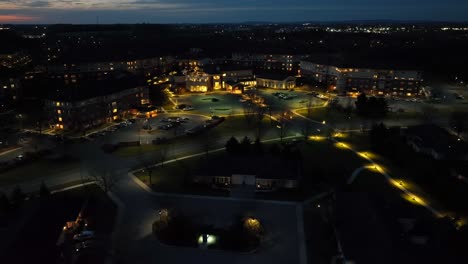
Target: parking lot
217, 103
285, 99
146, 130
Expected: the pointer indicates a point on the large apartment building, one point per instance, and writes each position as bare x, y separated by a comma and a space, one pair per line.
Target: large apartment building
10, 91
345, 78
129, 65
269, 62
83, 105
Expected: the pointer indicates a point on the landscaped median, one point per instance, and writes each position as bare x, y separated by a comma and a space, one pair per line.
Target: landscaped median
243, 234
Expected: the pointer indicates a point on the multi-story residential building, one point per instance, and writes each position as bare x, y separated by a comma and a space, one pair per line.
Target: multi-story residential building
193, 64
345, 78
271, 62
81, 106
134, 65
10, 91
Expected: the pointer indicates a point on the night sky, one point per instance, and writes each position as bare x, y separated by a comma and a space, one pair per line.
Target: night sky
181, 11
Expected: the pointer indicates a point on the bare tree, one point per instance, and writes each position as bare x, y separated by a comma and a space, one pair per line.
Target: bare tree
458, 121
148, 164
248, 108
282, 124
429, 114
162, 154
259, 114
105, 173
106, 179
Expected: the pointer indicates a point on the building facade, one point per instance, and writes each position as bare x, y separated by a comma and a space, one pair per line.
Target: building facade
276, 81
10, 93
110, 66
259, 183
269, 62
87, 113
370, 81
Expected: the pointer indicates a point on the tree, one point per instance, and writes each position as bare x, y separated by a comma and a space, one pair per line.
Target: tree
232, 146
105, 179
105, 173
429, 113
259, 114
258, 147
245, 145
17, 197
158, 94
378, 134
458, 121
248, 108
162, 154
5, 205
361, 104
44, 191
371, 107
148, 165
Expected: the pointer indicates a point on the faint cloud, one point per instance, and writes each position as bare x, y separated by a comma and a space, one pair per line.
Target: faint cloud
17, 18
36, 4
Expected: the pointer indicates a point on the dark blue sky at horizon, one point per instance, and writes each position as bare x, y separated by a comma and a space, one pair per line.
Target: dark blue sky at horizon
211, 11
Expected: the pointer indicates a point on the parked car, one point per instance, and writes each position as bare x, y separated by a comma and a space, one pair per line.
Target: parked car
88, 244
188, 108
85, 235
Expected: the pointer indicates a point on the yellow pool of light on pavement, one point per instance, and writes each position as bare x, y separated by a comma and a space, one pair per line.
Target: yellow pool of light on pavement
414, 199
317, 138
342, 145
376, 168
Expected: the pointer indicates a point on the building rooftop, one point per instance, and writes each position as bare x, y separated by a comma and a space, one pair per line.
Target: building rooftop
358, 60
57, 89
251, 165
434, 137
273, 76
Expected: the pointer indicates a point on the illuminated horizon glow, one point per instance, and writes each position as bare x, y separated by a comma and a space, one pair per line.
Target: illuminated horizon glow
223, 11
17, 18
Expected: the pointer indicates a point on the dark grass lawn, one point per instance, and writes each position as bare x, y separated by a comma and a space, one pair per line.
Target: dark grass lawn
175, 177
36, 169
324, 162
232, 126
36, 242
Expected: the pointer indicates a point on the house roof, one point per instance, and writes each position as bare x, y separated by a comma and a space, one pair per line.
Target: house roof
250, 165
440, 140
57, 89
273, 76
358, 60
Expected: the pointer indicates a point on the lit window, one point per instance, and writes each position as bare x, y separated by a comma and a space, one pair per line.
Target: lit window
59, 111
57, 104
115, 110
60, 119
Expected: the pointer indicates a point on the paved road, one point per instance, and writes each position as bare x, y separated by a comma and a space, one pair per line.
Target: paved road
137, 245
